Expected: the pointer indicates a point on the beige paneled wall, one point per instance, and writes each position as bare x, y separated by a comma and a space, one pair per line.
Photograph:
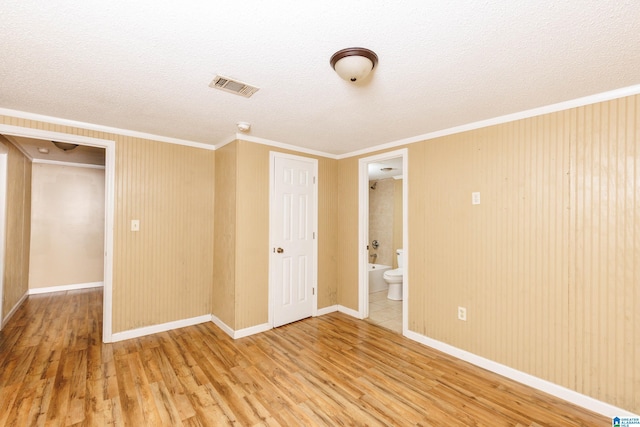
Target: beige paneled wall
328, 238
548, 264
603, 318
224, 261
16, 266
163, 272
252, 245
242, 194
167, 266
347, 249
67, 225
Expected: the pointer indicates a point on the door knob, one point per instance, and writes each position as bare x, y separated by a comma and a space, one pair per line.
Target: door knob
280, 250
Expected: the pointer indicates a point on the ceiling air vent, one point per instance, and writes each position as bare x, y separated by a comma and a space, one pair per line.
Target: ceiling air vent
233, 86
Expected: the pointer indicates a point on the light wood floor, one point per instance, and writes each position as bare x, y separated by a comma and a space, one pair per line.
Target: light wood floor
330, 370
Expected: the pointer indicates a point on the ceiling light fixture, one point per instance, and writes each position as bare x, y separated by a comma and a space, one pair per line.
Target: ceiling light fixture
43, 150
65, 146
354, 63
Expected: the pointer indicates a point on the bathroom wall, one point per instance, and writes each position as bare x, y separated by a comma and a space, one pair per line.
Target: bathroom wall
67, 225
385, 219
381, 220
18, 230
397, 218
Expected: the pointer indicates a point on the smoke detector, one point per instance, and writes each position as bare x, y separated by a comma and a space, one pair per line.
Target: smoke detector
233, 86
243, 126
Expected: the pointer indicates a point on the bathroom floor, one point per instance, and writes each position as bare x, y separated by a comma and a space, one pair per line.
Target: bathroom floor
385, 312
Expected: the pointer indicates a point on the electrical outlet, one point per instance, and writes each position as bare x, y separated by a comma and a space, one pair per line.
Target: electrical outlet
462, 313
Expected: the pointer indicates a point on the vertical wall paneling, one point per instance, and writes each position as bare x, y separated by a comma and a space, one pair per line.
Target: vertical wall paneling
547, 265
223, 293
328, 237
167, 266
18, 211
347, 249
252, 233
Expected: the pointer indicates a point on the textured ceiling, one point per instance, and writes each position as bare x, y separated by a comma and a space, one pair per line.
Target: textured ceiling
146, 65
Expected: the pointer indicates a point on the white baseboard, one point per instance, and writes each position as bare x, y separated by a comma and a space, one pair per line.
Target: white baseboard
241, 333
63, 288
220, 324
14, 309
263, 327
543, 385
326, 310
351, 312
163, 327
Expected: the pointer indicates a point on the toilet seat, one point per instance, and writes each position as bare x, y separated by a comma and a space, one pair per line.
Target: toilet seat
396, 273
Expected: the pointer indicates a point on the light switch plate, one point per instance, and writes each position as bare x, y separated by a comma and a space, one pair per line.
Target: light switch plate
475, 198
135, 225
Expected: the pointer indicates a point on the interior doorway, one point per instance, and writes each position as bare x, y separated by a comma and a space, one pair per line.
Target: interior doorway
379, 251
109, 147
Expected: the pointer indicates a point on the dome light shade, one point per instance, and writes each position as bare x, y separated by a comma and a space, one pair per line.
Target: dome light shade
65, 146
354, 63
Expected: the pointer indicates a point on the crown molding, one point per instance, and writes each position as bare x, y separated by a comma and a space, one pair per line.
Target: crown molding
553, 108
101, 128
243, 137
560, 106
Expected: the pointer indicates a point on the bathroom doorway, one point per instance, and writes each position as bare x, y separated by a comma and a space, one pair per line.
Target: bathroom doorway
383, 231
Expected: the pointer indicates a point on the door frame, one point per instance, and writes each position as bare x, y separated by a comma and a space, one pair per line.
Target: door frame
272, 257
109, 171
363, 231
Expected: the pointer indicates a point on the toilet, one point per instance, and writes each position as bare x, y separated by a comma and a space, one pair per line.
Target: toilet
394, 279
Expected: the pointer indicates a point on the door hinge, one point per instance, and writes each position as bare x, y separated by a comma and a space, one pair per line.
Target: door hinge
314, 179
314, 234
313, 291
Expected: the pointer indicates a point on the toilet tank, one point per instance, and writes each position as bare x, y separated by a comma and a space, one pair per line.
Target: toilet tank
400, 261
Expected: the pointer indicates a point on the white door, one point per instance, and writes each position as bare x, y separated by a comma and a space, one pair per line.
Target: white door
293, 227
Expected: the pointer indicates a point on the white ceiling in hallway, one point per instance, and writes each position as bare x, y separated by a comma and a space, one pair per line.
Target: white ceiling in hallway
146, 65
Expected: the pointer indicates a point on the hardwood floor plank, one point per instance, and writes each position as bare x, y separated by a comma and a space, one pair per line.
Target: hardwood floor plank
167, 412
324, 371
131, 407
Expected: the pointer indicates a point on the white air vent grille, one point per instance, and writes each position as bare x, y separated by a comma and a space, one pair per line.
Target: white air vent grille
233, 86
